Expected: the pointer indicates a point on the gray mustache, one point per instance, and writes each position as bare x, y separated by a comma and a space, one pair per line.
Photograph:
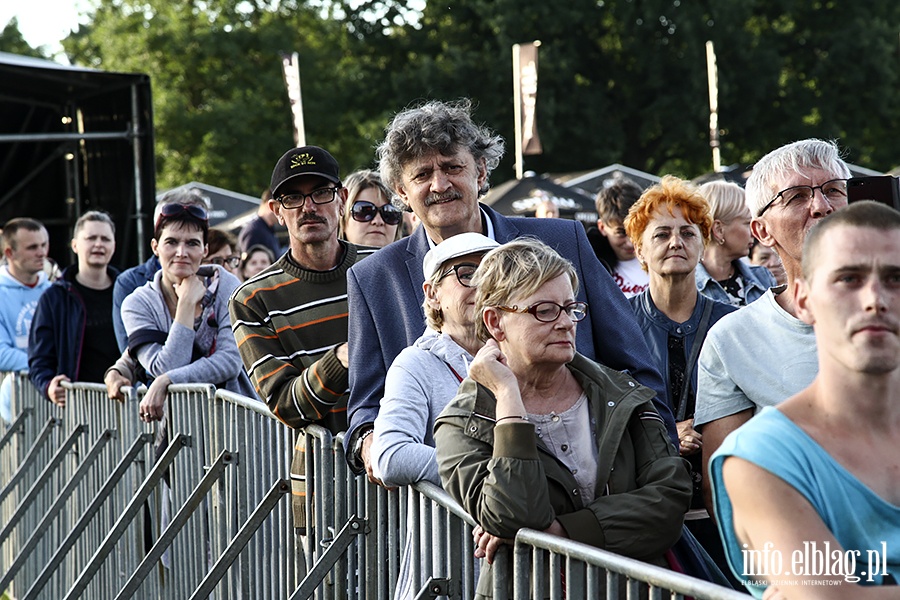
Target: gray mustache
432, 198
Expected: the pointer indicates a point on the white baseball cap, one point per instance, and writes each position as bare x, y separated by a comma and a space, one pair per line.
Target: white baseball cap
456, 246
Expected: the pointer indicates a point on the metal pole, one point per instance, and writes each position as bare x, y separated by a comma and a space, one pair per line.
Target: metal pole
62, 137
712, 78
137, 134
517, 110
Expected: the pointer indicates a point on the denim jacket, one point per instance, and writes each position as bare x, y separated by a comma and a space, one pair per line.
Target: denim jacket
657, 327
757, 280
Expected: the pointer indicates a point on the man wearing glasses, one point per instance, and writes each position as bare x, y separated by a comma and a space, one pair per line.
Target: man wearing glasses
763, 354
290, 321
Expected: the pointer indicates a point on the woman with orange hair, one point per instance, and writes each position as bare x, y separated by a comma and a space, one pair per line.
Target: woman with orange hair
669, 226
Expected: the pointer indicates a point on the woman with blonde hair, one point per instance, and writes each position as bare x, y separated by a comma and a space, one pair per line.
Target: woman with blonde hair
369, 218
540, 436
723, 274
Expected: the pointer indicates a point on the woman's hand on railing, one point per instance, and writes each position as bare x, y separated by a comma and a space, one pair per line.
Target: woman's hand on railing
114, 382
486, 544
368, 460
151, 407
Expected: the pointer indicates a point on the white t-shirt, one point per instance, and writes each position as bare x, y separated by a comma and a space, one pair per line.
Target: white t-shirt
630, 277
755, 357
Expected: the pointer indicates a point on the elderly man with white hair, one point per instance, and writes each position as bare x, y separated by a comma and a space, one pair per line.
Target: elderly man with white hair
763, 354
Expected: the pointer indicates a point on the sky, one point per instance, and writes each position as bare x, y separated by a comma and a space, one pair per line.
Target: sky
42, 22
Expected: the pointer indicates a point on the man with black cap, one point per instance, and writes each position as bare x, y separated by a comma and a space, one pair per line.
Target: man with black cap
290, 321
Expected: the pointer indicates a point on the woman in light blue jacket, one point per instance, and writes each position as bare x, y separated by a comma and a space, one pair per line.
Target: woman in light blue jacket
425, 376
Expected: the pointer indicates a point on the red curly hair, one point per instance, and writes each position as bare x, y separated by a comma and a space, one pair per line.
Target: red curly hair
671, 192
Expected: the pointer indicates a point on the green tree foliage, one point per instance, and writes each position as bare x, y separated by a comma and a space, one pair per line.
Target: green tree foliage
793, 69
619, 80
221, 113
11, 41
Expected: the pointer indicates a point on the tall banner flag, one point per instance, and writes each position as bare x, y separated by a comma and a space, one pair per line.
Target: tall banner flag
525, 82
712, 76
290, 64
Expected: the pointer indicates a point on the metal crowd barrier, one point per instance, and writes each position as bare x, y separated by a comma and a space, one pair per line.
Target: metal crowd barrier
67, 483
547, 566
92, 510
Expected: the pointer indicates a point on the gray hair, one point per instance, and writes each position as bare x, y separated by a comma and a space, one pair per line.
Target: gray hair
434, 318
98, 216
444, 127
796, 157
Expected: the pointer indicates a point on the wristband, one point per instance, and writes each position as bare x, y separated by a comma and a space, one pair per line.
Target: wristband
523, 417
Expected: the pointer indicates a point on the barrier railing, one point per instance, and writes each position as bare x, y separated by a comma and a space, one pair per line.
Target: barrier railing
547, 566
77, 477
111, 515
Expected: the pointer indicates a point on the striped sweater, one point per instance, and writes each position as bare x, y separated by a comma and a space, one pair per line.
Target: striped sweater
287, 321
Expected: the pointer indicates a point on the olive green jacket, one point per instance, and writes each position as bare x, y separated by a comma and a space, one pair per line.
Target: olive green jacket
507, 479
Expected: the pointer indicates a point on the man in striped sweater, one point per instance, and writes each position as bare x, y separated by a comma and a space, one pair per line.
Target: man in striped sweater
290, 320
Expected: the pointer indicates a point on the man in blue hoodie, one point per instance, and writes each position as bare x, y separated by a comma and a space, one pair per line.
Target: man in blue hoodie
72, 334
22, 281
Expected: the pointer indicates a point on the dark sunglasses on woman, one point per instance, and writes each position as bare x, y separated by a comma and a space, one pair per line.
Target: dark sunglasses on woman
364, 211
173, 210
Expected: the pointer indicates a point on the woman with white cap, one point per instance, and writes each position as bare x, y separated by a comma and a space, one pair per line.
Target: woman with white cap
425, 376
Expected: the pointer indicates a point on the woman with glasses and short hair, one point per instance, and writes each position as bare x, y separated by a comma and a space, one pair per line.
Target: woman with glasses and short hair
541, 437
369, 217
425, 376
178, 325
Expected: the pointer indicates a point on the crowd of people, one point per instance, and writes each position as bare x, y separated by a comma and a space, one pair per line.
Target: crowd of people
651, 386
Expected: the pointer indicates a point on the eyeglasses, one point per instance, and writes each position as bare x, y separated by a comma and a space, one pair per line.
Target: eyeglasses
547, 312
464, 273
364, 211
319, 196
231, 261
834, 190
173, 210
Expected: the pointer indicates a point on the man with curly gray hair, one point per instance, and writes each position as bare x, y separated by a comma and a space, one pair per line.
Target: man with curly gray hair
437, 160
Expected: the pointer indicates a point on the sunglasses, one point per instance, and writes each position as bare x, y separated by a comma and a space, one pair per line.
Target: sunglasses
174, 210
364, 211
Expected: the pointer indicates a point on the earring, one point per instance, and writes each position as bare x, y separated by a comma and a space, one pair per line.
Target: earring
721, 241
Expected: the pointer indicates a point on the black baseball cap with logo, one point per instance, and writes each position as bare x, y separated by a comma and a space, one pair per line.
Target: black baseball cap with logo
307, 160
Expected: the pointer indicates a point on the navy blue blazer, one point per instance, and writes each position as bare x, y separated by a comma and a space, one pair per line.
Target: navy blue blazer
385, 303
